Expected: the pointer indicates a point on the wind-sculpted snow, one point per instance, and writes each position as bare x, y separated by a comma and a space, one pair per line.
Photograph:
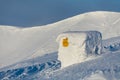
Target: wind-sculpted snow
111, 45
24, 72
105, 66
81, 45
108, 64
19, 44
24, 43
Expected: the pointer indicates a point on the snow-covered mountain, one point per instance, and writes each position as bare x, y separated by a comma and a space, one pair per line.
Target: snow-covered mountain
20, 44
103, 67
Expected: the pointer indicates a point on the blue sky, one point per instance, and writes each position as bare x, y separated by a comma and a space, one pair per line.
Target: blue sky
27, 13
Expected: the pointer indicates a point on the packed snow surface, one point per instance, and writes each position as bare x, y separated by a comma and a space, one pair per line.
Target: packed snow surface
81, 44
18, 44
103, 67
96, 76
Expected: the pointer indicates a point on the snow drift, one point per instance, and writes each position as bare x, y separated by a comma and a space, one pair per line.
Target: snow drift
76, 46
18, 44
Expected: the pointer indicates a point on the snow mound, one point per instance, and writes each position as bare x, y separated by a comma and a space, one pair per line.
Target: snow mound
105, 66
76, 46
18, 44
96, 76
23, 72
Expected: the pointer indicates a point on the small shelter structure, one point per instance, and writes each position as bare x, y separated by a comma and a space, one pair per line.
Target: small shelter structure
76, 46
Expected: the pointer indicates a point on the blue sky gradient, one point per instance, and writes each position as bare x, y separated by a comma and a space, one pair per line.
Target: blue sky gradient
28, 13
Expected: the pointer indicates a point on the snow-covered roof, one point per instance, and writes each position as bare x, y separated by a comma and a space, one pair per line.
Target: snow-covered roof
77, 34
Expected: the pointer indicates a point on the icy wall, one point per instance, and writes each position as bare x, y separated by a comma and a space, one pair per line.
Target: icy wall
76, 46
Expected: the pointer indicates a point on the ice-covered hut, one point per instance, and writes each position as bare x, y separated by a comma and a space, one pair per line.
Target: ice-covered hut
76, 46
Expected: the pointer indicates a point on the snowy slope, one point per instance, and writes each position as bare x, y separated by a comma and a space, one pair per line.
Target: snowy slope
107, 65
18, 44
104, 67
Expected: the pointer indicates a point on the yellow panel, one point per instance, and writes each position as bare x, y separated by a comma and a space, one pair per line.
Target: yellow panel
65, 42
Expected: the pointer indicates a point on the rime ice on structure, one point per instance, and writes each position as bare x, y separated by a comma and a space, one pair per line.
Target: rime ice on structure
76, 46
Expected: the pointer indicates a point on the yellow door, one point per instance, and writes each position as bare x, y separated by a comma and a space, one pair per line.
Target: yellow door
65, 42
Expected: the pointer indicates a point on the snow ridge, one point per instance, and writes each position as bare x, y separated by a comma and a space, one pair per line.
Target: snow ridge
40, 40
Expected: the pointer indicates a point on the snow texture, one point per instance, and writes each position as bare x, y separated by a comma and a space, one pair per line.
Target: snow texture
81, 45
96, 76
19, 44
24, 43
